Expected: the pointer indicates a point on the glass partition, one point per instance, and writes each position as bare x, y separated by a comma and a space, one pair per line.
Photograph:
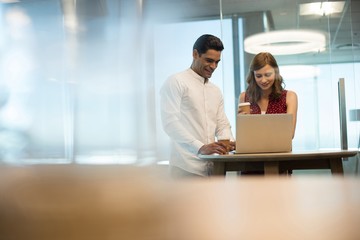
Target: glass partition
80, 82
313, 75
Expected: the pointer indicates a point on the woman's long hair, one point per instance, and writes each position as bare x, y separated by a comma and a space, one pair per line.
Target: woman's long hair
253, 91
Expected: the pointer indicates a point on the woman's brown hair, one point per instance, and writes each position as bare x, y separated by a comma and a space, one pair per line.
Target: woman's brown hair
253, 91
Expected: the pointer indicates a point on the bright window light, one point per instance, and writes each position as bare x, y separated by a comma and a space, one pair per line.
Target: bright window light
321, 8
299, 72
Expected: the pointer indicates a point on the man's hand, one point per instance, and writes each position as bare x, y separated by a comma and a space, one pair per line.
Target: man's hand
212, 148
232, 146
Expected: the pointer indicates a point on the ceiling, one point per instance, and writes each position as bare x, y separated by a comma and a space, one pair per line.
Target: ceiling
343, 44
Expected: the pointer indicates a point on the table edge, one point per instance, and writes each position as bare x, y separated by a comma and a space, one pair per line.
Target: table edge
285, 155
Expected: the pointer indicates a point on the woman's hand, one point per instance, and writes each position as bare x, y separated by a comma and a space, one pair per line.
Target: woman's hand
241, 111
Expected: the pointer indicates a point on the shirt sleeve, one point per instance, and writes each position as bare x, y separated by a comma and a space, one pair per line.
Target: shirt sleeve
171, 94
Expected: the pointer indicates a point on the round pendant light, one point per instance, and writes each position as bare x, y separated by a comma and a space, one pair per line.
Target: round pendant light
286, 42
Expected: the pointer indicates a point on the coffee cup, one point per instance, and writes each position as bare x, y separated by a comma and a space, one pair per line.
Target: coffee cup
244, 108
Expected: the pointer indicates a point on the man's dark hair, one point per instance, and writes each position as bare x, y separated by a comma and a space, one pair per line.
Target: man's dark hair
206, 42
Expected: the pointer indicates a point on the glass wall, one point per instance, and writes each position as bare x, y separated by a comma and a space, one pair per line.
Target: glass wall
79, 83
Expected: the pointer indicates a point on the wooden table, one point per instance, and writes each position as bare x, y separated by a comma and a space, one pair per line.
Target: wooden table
117, 202
274, 163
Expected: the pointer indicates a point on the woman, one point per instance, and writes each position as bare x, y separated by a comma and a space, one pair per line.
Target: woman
265, 90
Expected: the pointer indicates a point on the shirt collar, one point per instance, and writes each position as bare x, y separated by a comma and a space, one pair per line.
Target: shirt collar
197, 76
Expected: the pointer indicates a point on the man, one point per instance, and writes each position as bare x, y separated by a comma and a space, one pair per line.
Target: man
192, 111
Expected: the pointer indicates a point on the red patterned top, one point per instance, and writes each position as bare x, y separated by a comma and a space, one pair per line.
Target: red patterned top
275, 105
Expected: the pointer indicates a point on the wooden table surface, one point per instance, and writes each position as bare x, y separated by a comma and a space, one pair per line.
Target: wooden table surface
273, 163
117, 202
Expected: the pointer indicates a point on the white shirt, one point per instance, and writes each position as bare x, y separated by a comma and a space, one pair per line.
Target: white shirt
192, 115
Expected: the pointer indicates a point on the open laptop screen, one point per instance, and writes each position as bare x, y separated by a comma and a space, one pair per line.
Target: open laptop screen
261, 133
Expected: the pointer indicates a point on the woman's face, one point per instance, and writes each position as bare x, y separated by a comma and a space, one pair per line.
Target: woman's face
265, 77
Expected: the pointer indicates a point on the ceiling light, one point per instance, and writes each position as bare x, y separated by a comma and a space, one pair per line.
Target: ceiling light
286, 42
321, 8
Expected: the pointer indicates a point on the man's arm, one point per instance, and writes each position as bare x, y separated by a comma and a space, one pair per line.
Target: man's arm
223, 128
171, 95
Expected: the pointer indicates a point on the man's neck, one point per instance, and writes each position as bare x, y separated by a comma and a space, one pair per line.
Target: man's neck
192, 68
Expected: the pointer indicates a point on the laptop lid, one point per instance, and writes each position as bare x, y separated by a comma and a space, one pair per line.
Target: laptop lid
259, 133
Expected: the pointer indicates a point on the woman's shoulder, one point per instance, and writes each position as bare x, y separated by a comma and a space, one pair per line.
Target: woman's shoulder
291, 96
290, 93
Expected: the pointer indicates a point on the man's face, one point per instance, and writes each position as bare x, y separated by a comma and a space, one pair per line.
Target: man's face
206, 64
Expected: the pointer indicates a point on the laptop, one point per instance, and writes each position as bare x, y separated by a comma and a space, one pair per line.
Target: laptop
262, 133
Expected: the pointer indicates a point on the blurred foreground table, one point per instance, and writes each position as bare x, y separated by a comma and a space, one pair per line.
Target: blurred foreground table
114, 202
274, 163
